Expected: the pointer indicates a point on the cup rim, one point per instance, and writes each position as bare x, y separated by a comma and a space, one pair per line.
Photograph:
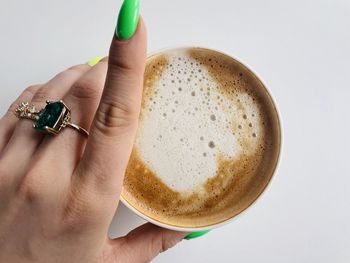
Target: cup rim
274, 170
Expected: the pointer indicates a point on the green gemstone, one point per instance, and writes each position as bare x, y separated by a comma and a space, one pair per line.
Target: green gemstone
49, 116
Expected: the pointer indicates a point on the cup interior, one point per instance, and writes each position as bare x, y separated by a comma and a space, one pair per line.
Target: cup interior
259, 184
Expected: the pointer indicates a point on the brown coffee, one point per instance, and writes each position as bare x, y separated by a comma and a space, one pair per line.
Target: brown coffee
208, 139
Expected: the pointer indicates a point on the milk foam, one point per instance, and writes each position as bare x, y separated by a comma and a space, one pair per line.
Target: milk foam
188, 123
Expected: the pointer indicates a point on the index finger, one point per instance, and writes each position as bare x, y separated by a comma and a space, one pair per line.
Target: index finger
113, 130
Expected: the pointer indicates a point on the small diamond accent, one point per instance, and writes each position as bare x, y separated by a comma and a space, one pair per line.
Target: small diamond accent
26, 110
66, 120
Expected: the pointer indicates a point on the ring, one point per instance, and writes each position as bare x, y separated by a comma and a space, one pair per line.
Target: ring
51, 119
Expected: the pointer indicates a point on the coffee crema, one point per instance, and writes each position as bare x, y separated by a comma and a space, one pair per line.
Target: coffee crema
207, 143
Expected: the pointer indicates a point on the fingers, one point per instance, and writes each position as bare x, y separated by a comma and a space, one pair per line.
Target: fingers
112, 133
82, 98
25, 140
9, 120
146, 242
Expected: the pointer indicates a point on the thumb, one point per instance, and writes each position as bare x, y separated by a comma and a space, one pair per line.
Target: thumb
145, 242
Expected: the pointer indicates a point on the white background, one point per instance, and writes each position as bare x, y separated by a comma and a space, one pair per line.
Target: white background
300, 48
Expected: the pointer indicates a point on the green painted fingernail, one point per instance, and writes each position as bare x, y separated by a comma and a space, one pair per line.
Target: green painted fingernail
196, 234
92, 62
128, 19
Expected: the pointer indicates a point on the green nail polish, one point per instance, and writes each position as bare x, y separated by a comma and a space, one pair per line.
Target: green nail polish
92, 62
196, 234
128, 19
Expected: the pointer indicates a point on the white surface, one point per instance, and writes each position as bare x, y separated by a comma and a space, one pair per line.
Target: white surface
301, 49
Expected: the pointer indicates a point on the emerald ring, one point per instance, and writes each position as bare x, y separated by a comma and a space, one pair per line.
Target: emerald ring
51, 119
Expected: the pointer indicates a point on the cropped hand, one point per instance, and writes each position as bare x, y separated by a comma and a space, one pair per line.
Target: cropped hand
58, 194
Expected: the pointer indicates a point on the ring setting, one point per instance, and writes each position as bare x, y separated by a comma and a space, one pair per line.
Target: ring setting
51, 120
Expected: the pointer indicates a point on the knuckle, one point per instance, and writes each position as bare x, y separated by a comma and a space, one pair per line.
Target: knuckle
41, 95
121, 59
85, 89
30, 191
120, 65
26, 95
161, 244
115, 115
13, 106
155, 247
81, 68
32, 89
167, 243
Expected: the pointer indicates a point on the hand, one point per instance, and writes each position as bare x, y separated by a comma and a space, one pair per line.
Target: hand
58, 193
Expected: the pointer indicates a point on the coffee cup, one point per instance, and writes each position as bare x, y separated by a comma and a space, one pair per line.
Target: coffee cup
207, 144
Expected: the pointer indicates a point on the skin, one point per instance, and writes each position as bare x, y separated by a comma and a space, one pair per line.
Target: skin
58, 194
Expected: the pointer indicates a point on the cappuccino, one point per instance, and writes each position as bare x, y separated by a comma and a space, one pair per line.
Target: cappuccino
207, 143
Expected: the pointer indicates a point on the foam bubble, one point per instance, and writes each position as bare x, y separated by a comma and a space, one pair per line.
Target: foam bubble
211, 144
190, 121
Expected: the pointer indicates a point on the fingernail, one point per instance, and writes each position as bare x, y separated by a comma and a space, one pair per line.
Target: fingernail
92, 62
196, 234
128, 19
